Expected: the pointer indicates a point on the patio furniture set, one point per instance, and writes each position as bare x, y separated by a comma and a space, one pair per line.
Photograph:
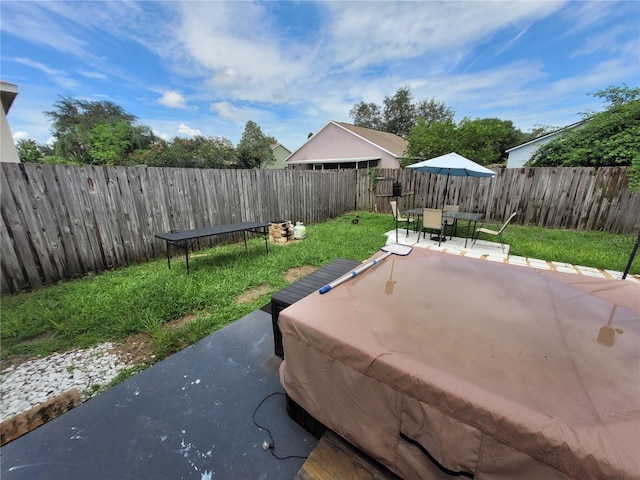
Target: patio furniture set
438, 221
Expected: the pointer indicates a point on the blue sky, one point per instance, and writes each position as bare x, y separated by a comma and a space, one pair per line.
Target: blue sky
208, 67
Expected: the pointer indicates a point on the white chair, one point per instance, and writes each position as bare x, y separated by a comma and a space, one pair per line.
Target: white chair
432, 220
497, 233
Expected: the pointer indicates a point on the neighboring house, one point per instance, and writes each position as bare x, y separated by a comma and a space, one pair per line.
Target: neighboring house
280, 153
340, 145
521, 154
8, 152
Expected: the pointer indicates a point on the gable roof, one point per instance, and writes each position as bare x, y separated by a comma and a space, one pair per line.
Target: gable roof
546, 135
276, 145
390, 142
9, 91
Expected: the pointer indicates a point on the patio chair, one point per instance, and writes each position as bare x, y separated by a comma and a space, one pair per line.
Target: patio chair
451, 223
398, 218
497, 233
432, 220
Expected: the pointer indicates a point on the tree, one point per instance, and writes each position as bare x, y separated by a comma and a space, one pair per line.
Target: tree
215, 152
399, 113
617, 96
367, 115
254, 148
433, 111
608, 138
109, 143
484, 140
196, 152
429, 141
28, 151
75, 129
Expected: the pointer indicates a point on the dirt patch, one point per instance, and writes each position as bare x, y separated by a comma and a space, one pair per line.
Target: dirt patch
135, 349
16, 360
13, 361
297, 273
138, 348
178, 322
253, 294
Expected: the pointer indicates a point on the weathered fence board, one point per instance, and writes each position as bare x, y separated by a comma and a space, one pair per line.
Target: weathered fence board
571, 198
64, 221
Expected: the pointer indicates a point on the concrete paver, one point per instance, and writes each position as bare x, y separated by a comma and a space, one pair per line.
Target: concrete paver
493, 252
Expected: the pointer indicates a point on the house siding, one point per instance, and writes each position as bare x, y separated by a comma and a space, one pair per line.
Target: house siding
520, 155
280, 153
8, 152
334, 142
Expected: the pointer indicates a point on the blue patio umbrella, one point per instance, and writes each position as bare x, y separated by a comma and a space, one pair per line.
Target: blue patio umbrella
453, 165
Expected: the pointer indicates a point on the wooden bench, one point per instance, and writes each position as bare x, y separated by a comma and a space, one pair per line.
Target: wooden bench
303, 287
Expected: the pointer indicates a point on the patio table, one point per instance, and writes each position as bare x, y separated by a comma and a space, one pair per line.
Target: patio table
186, 238
469, 217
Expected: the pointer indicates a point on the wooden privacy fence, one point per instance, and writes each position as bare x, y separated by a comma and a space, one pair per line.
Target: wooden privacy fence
571, 198
62, 221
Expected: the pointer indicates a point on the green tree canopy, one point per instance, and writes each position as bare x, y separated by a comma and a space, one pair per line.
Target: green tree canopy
608, 138
429, 141
254, 147
400, 113
95, 132
367, 115
483, 140
28, 151
196, 152
433, 111
109, 142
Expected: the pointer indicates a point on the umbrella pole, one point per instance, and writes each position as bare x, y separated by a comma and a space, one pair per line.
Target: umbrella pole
446, 186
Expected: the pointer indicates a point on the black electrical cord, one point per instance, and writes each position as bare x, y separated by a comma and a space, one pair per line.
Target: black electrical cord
272, 444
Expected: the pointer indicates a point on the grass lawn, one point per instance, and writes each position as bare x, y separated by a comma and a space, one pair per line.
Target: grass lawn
226, 283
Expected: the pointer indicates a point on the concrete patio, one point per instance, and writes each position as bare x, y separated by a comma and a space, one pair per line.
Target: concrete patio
493, 252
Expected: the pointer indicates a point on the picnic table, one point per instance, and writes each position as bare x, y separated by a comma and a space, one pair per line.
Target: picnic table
185, 239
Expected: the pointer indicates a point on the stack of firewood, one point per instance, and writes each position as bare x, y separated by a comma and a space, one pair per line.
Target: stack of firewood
280, 232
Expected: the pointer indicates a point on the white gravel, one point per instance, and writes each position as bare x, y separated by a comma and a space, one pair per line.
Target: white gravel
36, 381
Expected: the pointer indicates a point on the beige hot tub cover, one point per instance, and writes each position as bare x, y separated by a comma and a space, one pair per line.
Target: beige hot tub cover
436, 364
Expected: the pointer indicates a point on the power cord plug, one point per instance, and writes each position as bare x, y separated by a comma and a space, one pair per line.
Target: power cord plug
266, 445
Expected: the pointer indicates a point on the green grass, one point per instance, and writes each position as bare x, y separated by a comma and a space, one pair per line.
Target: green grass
115, 304
141, 298
590, 249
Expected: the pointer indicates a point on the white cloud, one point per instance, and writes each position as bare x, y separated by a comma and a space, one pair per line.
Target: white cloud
162, 135
173, 99
94, 75
32, 21
20, 135
185, 131
227, 110
254, 61
60, 77
371, 33
243, 58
